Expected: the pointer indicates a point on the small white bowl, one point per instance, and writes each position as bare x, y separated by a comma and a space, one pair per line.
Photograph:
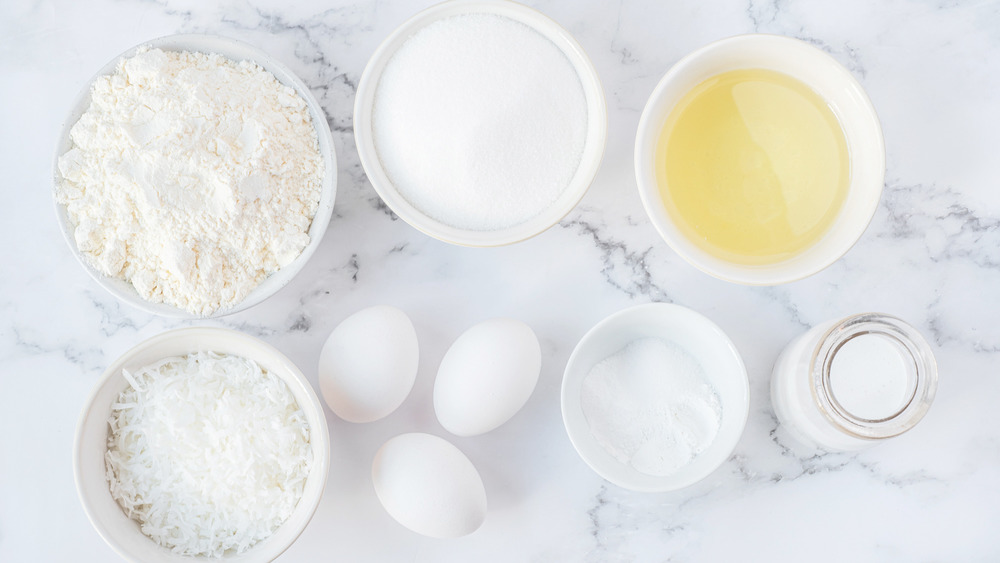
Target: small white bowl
824, 75
91, 443
699, 337
237, 51
593, 150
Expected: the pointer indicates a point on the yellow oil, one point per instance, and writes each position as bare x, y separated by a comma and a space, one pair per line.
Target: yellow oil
752, 166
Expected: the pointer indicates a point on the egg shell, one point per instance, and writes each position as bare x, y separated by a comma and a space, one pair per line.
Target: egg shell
429, 486
369, 363
486, 376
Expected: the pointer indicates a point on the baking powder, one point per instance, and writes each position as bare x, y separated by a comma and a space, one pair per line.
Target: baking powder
650, 406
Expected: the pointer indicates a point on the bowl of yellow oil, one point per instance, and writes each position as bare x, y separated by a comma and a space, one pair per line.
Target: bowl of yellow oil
760, 159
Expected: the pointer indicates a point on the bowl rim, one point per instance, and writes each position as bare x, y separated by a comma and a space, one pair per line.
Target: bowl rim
232, 49
866, 182
593, 150
575, 422
290, 374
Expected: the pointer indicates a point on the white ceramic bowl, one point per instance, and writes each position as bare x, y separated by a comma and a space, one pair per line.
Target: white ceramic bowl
237, 51
824, 75
593, 150
690, 331
90, 444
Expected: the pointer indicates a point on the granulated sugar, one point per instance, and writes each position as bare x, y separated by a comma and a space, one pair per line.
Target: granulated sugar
480, 121
650, 406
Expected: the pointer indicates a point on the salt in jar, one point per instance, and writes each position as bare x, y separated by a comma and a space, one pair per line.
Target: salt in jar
849, 384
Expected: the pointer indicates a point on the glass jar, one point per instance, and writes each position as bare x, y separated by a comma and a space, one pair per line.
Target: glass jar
849, 384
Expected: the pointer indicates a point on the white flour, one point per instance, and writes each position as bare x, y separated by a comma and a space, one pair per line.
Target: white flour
650, 406
191, 176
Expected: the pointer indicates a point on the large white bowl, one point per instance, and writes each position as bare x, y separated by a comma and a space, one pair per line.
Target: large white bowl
824, 75
593, 150
91, 443
699, 337
237, 51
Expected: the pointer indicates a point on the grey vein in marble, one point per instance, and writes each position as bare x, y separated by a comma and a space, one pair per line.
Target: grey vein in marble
918, 211
618, 258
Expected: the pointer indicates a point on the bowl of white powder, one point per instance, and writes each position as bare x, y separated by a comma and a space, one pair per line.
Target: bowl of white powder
480, 123
201, 443
195, 176
655, 397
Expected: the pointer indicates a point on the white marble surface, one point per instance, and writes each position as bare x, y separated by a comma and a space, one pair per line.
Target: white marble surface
931, 256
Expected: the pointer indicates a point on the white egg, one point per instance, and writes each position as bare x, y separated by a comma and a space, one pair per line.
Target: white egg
486, 376
428, 485
368, 364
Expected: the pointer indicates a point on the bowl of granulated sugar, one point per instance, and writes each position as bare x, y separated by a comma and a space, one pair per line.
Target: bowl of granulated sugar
480, 123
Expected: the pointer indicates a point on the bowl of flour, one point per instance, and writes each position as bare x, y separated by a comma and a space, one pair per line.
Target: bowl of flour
655, 397
194, 176
480, 123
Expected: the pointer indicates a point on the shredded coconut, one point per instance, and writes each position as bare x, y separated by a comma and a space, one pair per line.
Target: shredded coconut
207, 452
191, 176
650, 406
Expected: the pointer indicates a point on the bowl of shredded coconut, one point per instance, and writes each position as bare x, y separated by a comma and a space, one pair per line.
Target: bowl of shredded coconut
655, 397
480, 123
195, 176
201, 443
